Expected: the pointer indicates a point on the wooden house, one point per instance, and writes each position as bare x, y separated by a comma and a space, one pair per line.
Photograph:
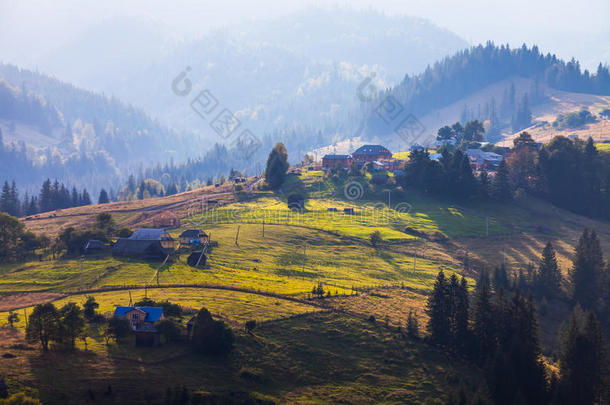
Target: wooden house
336, 161
193, 237
142, 321
370, 153
145, 243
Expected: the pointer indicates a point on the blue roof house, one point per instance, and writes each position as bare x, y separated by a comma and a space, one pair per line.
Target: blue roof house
142, 321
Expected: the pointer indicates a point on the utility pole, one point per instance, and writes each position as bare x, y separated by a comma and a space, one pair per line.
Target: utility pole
414, 260
389, 205
263, 228
82, 259
304, 256
237, 235
486, 226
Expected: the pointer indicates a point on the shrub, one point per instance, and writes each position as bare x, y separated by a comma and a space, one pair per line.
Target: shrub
211, 336
375, 238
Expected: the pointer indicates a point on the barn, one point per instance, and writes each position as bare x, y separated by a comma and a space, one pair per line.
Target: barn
145, 243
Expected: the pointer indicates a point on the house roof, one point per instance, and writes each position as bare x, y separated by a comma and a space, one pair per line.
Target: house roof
372, 150
150, 234
153, 314
192, 233
94, 244
127, 246
336, 157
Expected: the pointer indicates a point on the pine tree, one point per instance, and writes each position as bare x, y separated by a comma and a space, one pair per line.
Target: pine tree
5, 198
438, 309
583, 360
460, 315
103, 198
587, 271
85, 198
548, 279
501, 188
46, 196
484, 185
484, 318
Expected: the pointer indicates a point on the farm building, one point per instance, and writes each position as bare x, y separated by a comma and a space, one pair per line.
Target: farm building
336, 161
166, 219
193, 237
94, 246
369, 153
483, 160
142, 321
145, 243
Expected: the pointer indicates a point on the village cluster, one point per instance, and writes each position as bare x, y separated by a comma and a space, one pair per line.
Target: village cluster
380, 158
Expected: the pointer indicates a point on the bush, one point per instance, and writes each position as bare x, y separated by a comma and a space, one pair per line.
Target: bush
375, 238
117, 328
574, 119
124, 233
211, 336
168, 329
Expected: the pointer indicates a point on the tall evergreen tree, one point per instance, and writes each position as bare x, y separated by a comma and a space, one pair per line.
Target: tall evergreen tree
548, 278
587, 271
103, 198
483, 318
583, 360
501, 188
85, 198
438, 309
46, 196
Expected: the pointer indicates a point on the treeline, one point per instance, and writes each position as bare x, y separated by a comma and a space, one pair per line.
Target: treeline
571, 174
17, 104
52, 196
470, 70
499, 332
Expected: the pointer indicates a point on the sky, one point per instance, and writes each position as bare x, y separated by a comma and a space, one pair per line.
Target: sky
567, 28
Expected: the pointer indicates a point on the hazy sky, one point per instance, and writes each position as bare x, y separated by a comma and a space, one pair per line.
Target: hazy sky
565, 27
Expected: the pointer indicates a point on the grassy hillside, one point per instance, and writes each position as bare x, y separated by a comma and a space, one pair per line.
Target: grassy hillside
319, 358
266, 263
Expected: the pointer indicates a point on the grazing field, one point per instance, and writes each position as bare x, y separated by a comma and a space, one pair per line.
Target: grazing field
388, 305
318, 358
234, 306
289, 260
417, 212
603, 147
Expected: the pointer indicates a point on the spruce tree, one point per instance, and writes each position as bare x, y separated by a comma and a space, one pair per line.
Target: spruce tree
103, 198
587, 271
5, 198
85, 199
483, 185
583, 360
439, 325
501, 188
548, 279
483, 318
46, 196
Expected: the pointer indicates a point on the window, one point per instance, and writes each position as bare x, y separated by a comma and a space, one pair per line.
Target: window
135, 316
